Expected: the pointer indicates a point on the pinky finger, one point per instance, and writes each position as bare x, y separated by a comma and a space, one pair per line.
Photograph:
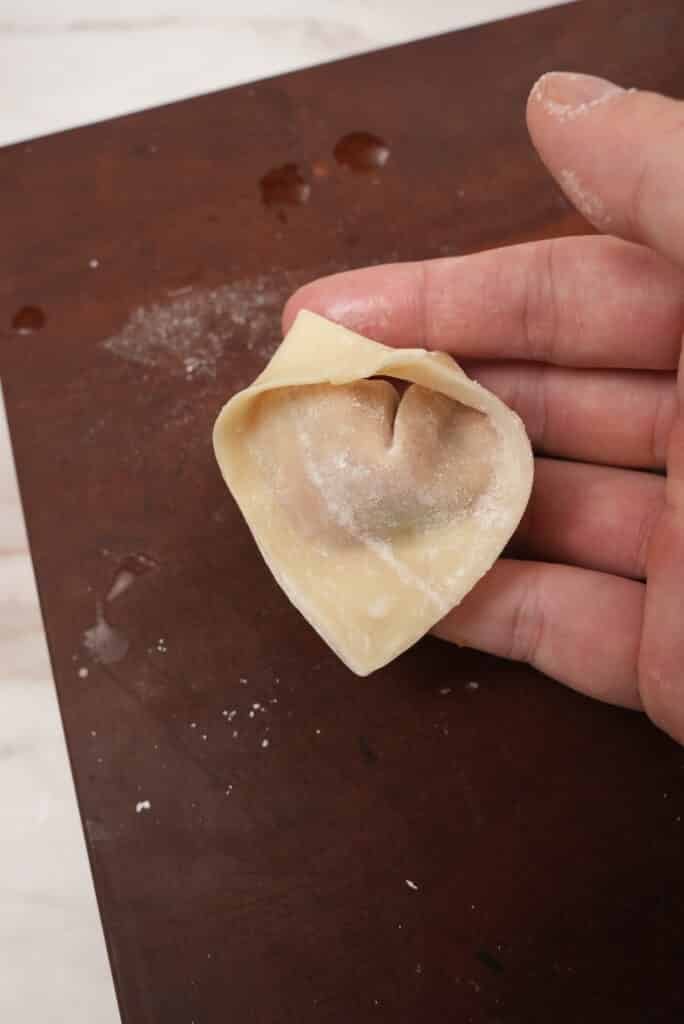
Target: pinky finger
582, 628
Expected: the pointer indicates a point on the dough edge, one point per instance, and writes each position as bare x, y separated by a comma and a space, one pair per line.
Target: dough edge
318, 351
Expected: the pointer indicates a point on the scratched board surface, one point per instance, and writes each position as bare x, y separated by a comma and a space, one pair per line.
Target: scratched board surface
273, 839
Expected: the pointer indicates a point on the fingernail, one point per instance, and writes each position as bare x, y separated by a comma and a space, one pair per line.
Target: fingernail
566, 96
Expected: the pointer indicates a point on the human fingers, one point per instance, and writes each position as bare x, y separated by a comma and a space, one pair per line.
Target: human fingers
579, 627
618, 154
594, 517
614, 417
661, 664
587, 302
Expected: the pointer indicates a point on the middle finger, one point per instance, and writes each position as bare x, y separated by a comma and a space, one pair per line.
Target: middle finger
613, 417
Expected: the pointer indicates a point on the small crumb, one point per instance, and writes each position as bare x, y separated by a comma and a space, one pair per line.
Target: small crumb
419, 968
229, 790
142, 805
243, 680
257, 706
99, 760
204, 735
472, 685
93, 263
318, 732
235, 734
445, 691
93, 733
411, 885
83, 672
193, 725
251, 714
265, 742
274, 700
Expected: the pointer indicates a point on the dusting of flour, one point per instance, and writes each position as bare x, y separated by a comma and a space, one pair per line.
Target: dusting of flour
195, 329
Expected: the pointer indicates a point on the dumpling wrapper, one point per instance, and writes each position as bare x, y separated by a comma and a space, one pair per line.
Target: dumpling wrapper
376, 511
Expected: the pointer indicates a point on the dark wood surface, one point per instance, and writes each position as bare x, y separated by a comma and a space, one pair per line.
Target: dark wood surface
267, 883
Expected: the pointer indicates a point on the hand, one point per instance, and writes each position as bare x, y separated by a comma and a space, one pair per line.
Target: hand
582, 337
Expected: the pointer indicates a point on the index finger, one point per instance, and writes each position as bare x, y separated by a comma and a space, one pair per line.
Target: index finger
581, 302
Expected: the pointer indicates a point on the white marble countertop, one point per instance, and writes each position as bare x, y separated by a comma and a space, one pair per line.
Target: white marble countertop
64, 65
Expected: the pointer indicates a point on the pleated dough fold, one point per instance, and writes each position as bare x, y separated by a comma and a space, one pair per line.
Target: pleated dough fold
379, 484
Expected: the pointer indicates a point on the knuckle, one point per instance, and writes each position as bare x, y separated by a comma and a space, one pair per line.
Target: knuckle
648, 182
661, 700
644, 533
540, 407
661, 426
539, 312
528, 624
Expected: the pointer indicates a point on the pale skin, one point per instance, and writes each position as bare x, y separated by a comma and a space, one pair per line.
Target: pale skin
583, 338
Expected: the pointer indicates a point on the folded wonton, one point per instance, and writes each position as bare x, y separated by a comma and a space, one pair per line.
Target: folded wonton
376, 506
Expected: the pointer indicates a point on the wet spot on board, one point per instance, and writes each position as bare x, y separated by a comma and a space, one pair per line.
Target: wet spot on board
128, 570
367, 752
284, 185
103, 641
489, 960
28, 319
362, 152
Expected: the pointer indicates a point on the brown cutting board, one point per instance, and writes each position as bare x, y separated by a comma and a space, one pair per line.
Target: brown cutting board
290, 802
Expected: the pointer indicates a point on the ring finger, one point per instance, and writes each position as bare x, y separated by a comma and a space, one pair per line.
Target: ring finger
594, 517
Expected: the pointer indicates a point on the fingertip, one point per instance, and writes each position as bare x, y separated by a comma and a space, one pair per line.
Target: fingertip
376, 301
335, 297
296, 302
566, 95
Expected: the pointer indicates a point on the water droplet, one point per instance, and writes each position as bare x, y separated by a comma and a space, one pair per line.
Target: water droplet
127, 571
103, 642
284, 185
320, 169
28, 319
145, 149
362, 152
